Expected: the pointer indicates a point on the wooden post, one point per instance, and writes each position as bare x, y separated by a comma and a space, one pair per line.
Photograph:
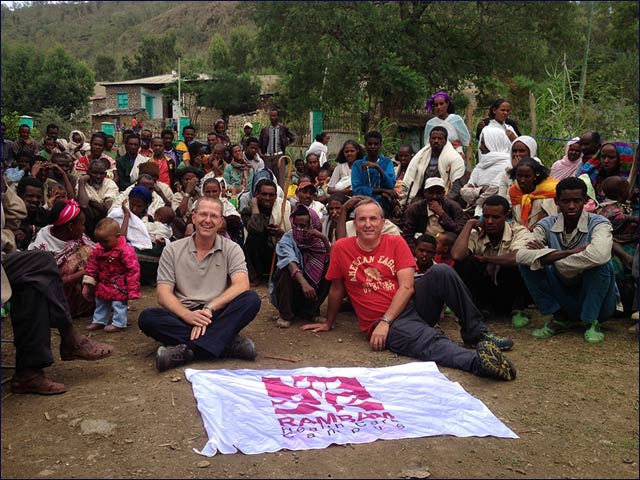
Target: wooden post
532, 110
469, 156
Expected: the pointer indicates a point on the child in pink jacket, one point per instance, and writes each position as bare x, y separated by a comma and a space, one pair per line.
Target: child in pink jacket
113, 272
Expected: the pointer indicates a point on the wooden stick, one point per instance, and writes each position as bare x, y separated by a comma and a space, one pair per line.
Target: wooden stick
287, 179
286, 359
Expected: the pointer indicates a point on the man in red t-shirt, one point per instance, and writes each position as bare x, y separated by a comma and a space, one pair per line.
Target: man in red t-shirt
377, 272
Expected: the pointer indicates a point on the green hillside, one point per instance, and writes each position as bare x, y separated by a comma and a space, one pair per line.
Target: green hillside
115, 29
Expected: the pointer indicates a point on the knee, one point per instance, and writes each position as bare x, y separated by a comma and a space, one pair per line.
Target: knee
251, 301
146, 319
443, 272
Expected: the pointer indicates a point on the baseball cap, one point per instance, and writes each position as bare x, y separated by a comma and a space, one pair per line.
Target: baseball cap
305, 184
248, 124
433, 182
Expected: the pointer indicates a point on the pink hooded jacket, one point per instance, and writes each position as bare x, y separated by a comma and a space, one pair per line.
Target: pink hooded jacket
116, 273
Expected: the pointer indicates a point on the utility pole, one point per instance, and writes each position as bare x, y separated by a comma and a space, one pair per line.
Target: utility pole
179, 95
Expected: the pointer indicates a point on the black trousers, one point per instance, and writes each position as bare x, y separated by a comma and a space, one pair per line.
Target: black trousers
259, 255
290, 300
38, 304
168, 329
413, 333
510, 293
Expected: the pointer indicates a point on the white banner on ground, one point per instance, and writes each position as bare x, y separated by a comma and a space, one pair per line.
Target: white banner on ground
258, 411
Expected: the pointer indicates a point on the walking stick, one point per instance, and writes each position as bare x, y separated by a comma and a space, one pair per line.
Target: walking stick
287, 180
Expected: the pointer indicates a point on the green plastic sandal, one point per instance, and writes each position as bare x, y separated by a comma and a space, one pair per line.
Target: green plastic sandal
551, 328
592, 335
520, 319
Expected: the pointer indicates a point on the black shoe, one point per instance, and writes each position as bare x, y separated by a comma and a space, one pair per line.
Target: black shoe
503, 343
241, 347
170, 357
492, 363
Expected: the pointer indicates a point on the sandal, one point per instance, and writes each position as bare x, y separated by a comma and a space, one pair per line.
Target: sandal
551, 328
282, 323
86, 349
37, 383
592, 335
520, 319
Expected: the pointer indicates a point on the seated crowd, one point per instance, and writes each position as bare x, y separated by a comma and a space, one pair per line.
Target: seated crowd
400, 241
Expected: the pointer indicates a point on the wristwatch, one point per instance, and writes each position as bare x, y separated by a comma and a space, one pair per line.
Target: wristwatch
386, 320
210, 308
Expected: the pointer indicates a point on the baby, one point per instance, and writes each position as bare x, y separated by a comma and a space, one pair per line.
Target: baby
112, 275
55, 193
615, 207
160, 229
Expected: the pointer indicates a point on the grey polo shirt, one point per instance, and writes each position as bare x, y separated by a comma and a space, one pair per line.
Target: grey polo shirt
197, 282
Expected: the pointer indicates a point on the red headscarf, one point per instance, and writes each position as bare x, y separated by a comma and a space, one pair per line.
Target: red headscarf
68, 213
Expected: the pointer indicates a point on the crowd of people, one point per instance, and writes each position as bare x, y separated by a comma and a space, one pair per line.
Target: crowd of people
400, 241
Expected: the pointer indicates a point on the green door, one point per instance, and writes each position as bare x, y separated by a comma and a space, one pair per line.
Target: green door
148, 105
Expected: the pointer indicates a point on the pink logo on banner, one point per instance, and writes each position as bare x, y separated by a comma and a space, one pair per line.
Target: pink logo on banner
304, 395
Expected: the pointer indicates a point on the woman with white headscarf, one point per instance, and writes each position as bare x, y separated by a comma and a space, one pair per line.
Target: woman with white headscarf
523, 146
494, 157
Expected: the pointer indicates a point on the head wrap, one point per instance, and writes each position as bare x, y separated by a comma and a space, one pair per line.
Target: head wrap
142, 193
564, 167
68, 213
531, 144
625, 161
429, 105
314, 251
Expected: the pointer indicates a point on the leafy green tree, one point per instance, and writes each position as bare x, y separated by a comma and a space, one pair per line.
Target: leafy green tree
385, 56
33, 80
106, 68
242, 48
155, 56
218, 53
230, 92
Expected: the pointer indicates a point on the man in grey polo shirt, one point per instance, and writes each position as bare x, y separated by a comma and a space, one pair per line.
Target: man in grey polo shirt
203, 289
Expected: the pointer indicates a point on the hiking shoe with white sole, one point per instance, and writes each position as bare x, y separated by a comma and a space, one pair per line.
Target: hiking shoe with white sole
171, 357
241, 347
492, 363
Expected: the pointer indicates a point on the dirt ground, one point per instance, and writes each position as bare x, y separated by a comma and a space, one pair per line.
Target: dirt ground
574, 406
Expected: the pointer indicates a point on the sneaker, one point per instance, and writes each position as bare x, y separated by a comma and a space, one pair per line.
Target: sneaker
492, 363
503, 343
241, 347
170, 357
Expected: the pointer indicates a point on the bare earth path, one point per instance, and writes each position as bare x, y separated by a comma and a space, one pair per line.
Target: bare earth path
574, 406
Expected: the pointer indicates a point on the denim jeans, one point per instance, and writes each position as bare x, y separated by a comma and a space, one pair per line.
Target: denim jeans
103, 310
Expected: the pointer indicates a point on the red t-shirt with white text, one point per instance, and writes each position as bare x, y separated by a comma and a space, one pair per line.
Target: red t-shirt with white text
370, 277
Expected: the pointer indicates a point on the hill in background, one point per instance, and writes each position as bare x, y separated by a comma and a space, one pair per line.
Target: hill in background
115, 29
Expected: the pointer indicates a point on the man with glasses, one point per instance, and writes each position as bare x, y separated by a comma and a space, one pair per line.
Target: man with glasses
203, 291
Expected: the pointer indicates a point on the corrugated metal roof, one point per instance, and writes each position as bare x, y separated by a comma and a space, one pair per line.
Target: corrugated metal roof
118, 111
157, 80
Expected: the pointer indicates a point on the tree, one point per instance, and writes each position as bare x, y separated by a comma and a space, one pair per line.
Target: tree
230, 92
218, 52
105, 68
358, 55
33, 80
155, 56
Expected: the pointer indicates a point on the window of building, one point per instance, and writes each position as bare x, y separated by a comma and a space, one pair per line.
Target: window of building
123, 100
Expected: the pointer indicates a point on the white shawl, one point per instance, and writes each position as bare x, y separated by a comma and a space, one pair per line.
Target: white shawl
137, 233
450, 166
